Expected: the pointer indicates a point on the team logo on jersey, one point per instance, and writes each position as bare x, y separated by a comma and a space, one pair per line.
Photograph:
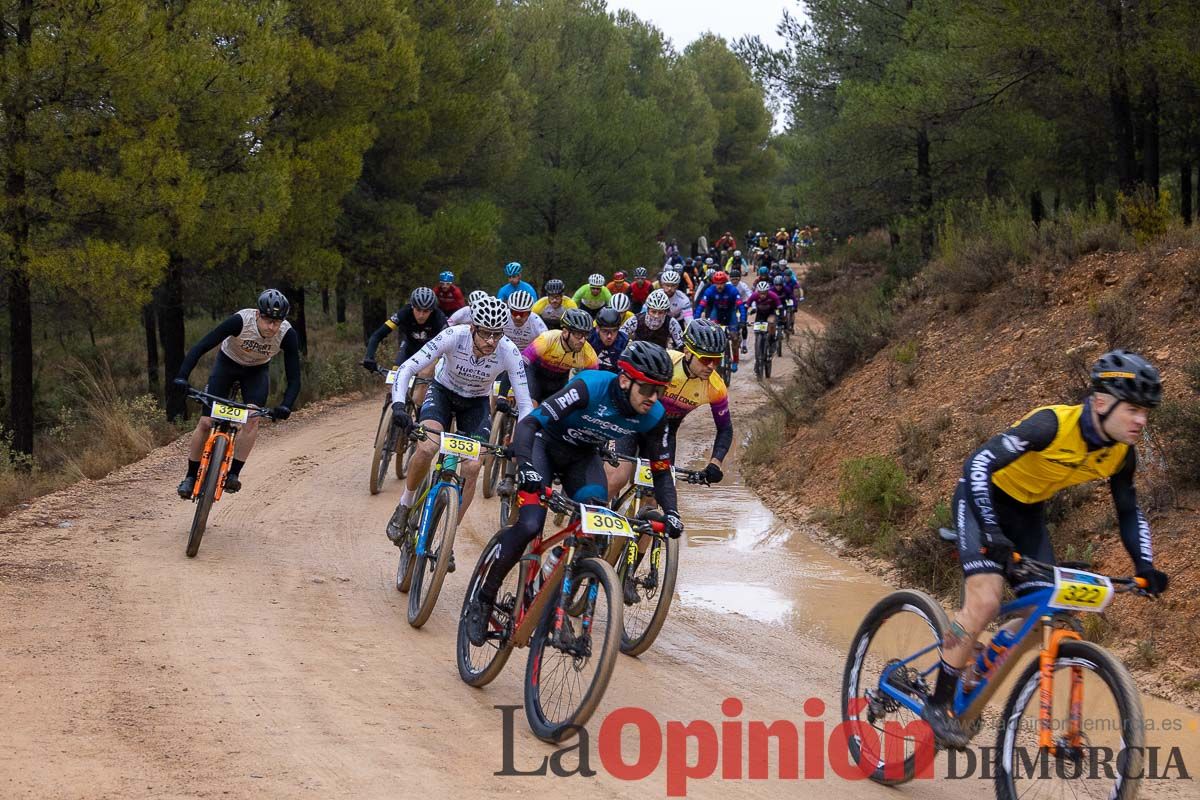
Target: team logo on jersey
567, 399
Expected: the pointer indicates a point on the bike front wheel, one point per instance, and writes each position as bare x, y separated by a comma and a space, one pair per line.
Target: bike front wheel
384, 447
208, 495
1109, 725
571, 657
430, 568
652, 578
491, 467
479, 666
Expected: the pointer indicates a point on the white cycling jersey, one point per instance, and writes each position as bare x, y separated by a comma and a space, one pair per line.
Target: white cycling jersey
744, 291
522, 336
249, 348
460, 317
681, 306
462, 372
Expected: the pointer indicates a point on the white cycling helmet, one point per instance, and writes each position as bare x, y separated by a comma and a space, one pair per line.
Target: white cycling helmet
669, 278
490, 313
737, 253
595, 279
709, 261
762, 286
520, 301
658, 301
474, 297
619, 302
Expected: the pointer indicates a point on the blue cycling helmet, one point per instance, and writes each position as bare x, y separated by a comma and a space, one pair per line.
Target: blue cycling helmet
512, 268
446, 277
764, 271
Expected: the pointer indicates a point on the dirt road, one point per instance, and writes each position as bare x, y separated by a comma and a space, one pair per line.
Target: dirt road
278, 663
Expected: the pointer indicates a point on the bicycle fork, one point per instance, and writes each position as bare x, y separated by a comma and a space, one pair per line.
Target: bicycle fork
1051, 640
205, 463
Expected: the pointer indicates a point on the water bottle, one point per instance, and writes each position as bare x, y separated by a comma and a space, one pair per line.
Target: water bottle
551, 563
996, 649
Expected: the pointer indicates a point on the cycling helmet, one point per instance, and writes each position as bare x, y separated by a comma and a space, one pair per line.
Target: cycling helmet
619, 302
576, 319
273, 305
647, 362
778, 281
520, 301
512, 268
705, 337
762, 286
555, 286
595, 279
764, 271
708, 262
446, 277
669, 278
720, 277
658, 301
1129, 377
735, 274
708, 276
608, 317
490, 313
737, 253
618, 276
474, 297
423, 298
640, 273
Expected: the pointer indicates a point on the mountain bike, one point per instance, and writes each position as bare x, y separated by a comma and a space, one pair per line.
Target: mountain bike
764, 349
428, 541
571, 655
228, 417
725, 369
789, 326
504, 422
646, 567
387, 434
1043, 728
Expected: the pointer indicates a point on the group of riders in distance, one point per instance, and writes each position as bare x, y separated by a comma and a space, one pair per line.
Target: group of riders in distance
585, 390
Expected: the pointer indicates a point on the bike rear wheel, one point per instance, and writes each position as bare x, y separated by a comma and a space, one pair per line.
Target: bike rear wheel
1112, 723
384, 448
900, 625
654, 577
479, 666
760, 355
568, 670
208, 495
439, 548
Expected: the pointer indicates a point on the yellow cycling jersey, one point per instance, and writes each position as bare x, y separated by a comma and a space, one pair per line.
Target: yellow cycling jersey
1038, 475
686, 394
548, 353
540, 307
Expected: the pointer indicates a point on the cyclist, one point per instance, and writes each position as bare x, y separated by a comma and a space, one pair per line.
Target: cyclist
608, 340
593, 295
562, 437
463, 315
249, 339
620, 304
744, 291
726, 242
551, 356
449, 296
694, 382
736, 260
655, 324
524, 326
551, 307
418, 322
472, 356
513, 272
999, 503
640, 288
680, 306
618, 285
722, 302
766, 306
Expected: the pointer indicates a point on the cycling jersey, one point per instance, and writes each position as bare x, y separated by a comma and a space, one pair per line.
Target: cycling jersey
509, 288
450, 298
722, 303
744, 291
464, 373
413, 335
523, 335
592, 302
618, 287
681, 306
764, 304
1051, 448
639, 290
608, 355
550, 313
667, 335
550, 362
686, 394
248, 347
253, 352
460, 317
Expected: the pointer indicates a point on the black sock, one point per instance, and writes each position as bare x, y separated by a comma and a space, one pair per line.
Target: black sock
236, 467
947, 680
193, 468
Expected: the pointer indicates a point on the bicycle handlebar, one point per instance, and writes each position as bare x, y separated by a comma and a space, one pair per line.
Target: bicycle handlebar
1020, 566
419, 434
202, 396
692, 476
559, 503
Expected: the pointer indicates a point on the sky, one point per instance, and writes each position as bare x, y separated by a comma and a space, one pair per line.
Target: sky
684, 20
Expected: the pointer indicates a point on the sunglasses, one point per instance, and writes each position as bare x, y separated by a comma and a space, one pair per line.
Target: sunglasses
520, 314
489, 336
707, 360
649, 389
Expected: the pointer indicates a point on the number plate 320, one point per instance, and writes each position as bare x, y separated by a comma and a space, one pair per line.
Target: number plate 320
1080, 591
230, 413
600, 521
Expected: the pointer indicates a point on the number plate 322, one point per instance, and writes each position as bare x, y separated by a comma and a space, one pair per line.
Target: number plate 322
1080, 591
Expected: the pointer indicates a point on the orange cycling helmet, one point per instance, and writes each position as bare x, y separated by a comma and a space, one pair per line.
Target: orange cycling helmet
720, 277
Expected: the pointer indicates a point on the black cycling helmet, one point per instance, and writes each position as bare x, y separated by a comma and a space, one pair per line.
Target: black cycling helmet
576, 319
608, 318
705, 337
273, 305
555, 286
423, 298
647, 362
1129, 377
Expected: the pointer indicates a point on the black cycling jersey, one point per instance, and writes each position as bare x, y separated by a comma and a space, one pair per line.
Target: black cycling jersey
414, 335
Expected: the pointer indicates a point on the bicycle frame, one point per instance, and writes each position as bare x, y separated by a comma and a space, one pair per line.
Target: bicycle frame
446, 467
221, 429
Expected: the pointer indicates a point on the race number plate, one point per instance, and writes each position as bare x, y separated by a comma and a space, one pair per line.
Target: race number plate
391, 376
790, 303
222, 411
644, 477
461, 446
1080, 591
760, 327
600, 521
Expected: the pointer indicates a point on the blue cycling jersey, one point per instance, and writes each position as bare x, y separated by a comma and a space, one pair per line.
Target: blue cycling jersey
508, 289
608, 355
722, 303
588, 411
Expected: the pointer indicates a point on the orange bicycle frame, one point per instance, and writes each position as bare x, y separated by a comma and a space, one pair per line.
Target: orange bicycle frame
1051, 639
207, 457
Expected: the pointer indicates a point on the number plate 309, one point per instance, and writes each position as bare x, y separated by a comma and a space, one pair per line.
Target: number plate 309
600, 521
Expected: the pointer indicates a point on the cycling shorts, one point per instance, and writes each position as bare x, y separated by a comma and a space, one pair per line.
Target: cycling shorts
473, 414
1023, 523
254, 382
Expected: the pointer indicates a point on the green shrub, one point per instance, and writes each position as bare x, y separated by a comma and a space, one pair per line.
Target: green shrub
872, 497
919, 440
1116, 318
1177, 425
1146, 214
765, 439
